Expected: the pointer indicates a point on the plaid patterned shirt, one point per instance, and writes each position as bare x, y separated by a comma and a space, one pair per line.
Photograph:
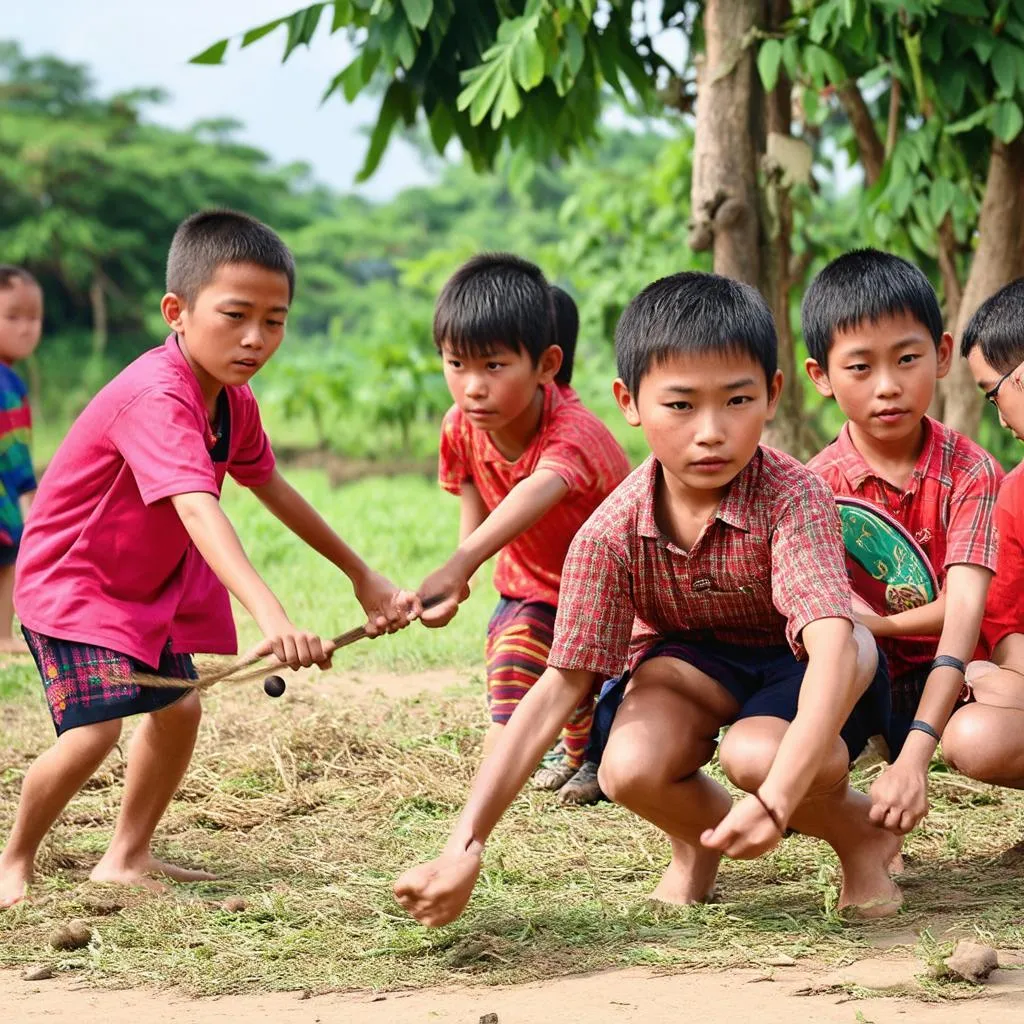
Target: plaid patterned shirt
768, 562
570, 441
947, 507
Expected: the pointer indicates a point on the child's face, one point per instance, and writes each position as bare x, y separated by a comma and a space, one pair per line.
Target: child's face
21, 320
702, 415
235, 324
493, 391
1004, 391
883, 375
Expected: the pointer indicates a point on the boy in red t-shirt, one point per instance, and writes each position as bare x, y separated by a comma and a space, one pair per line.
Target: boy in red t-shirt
529, 468
716, 571
985, 739
128, 558
874, 332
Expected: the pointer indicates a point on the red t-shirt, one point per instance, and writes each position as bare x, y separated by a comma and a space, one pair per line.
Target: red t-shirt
946, 507
769, 561
1004, 610
105, 559
570, 441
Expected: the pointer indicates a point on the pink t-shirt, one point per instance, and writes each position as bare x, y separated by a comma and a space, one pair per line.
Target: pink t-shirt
105, 559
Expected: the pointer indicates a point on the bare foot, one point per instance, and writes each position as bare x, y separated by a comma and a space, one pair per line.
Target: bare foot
14, 879
689, 878
12, 645
140, 873
868, 891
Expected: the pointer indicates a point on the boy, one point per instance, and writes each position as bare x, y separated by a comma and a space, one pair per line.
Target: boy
21, 324
128, 559
873, 329
985, 739
529, 468
716, 569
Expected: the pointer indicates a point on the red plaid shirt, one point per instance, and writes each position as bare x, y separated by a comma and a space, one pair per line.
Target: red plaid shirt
769, 561
572, 442
947, 507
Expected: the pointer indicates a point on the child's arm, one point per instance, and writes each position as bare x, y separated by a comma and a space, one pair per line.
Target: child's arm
900, 794
215, 539
827, 696
436, 893
472, 510
521, 508
927, 620
387, 608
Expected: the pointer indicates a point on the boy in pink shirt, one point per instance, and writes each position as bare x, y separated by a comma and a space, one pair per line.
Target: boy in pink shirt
127, 556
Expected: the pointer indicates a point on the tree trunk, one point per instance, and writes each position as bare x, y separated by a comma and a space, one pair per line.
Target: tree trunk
997, 261
724, 201
952, 293
98, 301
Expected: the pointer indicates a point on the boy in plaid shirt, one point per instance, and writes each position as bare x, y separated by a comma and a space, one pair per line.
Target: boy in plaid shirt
874, 332
716, 572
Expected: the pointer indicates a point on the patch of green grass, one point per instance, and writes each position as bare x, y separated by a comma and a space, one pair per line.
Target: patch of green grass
404, 527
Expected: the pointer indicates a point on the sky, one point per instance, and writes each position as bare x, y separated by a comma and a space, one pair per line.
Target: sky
135, 43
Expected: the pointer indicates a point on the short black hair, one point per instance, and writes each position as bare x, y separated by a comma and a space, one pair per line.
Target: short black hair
865, 285
998, 328
493, 301
210, 239
9, 273
567, 330
694, 313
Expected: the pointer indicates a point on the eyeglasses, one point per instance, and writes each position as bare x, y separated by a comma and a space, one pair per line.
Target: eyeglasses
992, 395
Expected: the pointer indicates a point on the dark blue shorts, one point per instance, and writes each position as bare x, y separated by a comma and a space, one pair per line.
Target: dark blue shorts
8, 555
765, 681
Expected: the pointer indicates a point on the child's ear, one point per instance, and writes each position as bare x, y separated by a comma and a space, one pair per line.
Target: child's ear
819, 378
550, 363
945, 354
774, 392
624, 400
172, 308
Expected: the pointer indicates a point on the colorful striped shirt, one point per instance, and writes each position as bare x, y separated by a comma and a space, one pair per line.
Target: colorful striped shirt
16, 474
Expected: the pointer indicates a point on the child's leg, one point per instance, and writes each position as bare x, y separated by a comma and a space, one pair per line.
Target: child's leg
985, 739
664, 731
50, 783
157, 760
9, 644
832, 811
491, 737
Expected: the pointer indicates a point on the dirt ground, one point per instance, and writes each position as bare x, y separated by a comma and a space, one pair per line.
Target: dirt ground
772, 996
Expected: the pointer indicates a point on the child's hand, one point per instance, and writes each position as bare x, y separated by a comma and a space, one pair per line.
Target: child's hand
445, 589
295, 647
387, 608
746, 832
436, 893
899, 799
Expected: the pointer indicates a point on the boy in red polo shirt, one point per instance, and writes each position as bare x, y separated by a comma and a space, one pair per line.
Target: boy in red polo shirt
985, 739
873, 328
716, 570
128, 559
529, 468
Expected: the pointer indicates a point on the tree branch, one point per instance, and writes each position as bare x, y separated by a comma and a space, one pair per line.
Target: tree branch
872, 153
894, 117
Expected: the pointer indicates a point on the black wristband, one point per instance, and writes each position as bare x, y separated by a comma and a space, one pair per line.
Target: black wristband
948, 661
771, 814
925, 728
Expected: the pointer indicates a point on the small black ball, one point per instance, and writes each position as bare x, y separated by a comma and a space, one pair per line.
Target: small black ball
273, 686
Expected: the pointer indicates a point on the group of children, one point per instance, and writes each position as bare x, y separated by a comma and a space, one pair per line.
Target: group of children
707, 588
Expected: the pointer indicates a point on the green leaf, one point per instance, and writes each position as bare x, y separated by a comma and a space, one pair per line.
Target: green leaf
254, 34
941, 199
441, 127
418, 12
301, 26
509, 104
574, 48
769, 57
849, 12
1007, 121
883, 226
390, 109
968, 8
821, 21
405, 45
952, 87
342, 14
791, 56
922, 239
212, 54
983, 46
979, 117
1006, 58
528, 62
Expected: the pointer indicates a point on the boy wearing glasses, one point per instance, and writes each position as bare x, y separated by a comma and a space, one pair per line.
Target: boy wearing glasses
985, 739
874, 333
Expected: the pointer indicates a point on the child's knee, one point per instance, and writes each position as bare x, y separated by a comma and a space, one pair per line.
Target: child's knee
748, 751
866, 653
624, 774
966, 744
